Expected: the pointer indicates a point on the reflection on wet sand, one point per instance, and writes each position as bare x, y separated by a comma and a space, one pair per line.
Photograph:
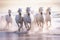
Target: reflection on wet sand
16, 36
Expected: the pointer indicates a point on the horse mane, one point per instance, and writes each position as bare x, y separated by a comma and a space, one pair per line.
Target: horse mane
41, 13
28, 14
49, 13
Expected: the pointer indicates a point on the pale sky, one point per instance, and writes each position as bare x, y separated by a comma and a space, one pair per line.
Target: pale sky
34, 4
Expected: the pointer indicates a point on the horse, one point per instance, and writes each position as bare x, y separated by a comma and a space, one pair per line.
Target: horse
2, 23
39, 20
27, 19
8, 19
19, 20
48, 17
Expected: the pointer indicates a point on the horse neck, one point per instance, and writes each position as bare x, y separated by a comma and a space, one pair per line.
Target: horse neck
9, 16
20, 16
28, 14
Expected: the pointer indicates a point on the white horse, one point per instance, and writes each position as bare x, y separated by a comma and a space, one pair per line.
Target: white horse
48, 17
8, 19
2, 22
39, 18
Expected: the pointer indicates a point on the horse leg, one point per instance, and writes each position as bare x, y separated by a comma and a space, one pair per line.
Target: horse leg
18, 27
25, 25
42, 24
29, 26
7, 25
21, 25
47, 24
35, 21
50, 24
39, 24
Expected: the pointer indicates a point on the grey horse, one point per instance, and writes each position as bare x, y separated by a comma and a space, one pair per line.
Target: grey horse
27, 19
19, 19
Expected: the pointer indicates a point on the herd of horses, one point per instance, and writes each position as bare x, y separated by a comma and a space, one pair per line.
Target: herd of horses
26, 19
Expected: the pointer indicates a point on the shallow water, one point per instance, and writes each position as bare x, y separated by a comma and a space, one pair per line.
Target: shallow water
17, 36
